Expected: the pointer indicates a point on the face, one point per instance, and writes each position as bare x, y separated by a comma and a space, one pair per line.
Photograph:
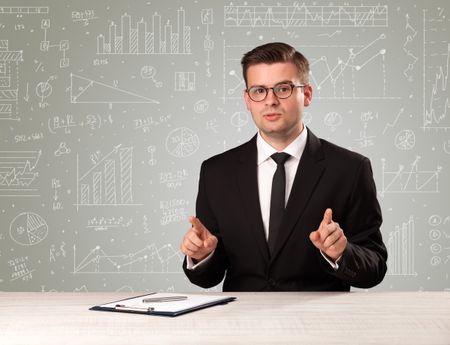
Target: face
277, 119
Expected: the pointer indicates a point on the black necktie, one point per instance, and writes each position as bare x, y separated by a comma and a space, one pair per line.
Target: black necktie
277, 198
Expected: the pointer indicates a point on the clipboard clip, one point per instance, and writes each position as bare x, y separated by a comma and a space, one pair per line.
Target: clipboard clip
121, 307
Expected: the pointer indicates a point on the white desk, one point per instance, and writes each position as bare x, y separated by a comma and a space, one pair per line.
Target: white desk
255, 318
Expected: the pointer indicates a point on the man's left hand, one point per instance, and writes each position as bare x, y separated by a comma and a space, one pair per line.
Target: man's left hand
329, 237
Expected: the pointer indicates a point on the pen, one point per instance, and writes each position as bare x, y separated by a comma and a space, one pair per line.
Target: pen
164, 299
122, 307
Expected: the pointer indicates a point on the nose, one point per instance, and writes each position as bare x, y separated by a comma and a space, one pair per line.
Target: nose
271, 99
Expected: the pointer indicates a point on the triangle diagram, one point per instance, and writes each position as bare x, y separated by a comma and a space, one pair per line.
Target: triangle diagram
84, 90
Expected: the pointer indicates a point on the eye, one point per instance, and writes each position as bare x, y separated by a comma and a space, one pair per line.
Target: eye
257, 90
282, 88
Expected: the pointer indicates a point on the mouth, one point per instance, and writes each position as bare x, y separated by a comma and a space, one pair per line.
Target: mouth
272, 116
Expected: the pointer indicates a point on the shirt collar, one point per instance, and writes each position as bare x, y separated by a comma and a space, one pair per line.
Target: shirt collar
295, 149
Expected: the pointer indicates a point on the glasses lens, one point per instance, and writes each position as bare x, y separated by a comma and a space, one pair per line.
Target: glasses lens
282, 90
257, 93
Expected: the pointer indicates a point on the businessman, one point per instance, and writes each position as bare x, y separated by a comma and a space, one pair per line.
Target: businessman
285, 211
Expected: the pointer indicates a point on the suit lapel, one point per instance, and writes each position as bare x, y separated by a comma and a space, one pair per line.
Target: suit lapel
248, 186
308, 175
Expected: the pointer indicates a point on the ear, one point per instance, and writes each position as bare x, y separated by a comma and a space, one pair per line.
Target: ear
307, 92
247, 100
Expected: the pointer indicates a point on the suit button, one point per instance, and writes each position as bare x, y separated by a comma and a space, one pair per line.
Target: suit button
271, 282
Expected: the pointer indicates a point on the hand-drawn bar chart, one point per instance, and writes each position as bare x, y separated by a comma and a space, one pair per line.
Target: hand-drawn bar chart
109, 181
162, 39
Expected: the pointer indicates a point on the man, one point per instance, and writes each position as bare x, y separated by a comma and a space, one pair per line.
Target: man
306, 218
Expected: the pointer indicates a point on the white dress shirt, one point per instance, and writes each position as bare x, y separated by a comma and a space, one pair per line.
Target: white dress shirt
266, 170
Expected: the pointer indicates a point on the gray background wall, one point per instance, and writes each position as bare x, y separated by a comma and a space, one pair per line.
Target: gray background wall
107, 109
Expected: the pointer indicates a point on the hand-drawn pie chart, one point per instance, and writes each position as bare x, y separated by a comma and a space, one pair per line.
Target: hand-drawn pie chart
28, 229
182, 142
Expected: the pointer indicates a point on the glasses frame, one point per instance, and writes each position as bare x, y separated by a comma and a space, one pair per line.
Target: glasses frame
292, 85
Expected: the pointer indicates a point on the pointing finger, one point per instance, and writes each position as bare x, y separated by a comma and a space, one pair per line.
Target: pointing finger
327, 216
196, 224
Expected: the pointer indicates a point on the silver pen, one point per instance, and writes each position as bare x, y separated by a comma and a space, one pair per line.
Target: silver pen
164, 299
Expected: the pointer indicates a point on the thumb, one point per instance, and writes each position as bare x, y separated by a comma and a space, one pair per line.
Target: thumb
210, 242
327, 216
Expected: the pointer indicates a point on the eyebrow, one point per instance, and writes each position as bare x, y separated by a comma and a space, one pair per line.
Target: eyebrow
280, 82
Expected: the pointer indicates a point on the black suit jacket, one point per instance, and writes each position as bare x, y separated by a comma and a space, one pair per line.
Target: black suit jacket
327, 176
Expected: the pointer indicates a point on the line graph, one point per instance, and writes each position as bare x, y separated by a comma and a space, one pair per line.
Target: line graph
150, 259
302, 15
436, 62
341, 78
413, 180
18, 173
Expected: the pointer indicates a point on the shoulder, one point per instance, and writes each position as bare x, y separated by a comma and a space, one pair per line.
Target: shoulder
337, 152
246, 151
330, 154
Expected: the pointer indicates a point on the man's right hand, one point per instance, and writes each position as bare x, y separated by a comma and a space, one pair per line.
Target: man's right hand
198, 242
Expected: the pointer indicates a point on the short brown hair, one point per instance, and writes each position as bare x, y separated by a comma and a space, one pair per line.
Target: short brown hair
276, 52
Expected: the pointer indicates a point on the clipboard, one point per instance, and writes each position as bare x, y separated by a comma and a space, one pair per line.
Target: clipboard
164, 304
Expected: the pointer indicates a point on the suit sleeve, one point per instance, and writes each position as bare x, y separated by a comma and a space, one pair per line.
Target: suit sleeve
211, 273
363, 262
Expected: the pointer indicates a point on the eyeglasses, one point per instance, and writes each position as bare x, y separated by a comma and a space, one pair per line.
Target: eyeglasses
282, 91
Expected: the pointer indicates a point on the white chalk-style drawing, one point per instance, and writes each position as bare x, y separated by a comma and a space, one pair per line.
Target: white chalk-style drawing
57, 253
239, 119
18, 173
333, 120
440, 237
446, 147
149, 72
63, 45
405, 140
152, 160
412, 180
436, 64
150, 259
184, 81
109, 181
400, 246
302, 15
410, 36
173, 180
201, 106
182, 142
391, 125
85, 16
108, 223
173, 211
28, 229
62, 149
161, 39
208, 44
239, 83
9, 77
346, 77
56, 203
20, 269
43, 90
85, 90
23, 10
366, 140
212, 125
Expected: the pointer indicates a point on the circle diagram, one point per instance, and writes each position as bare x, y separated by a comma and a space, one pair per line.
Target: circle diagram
405, 140
182, 142
28, 229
